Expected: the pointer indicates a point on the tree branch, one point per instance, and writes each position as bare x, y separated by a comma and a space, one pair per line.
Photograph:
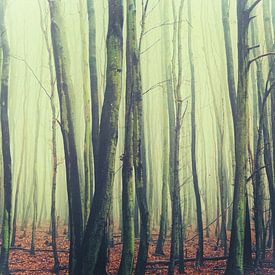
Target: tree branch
253, 47
151, 46
156, 85
259, 57
253, 6
33, 73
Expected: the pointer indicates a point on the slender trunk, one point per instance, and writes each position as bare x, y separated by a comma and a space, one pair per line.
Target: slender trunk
236, 252
176, 235
93, 77
6, 225
35, 178
127, 259
65, 93
23, 150
87, 110
270, 45
164, 196
199, 261
104, 176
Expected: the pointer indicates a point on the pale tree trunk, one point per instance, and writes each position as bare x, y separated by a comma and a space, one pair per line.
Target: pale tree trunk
199, 255
54, 142
35, 177
87, 111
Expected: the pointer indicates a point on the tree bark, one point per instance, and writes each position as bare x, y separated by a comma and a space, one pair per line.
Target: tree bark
65, 94
193, 144
176, 234
107, 143
236, 252
6, 225
127, 259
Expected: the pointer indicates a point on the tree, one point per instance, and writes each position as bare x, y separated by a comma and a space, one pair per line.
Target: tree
165, 63
6, 225
193, 143
54, 142
236, 252
87, 111
104, 174
127, 259
65, 94
93, 84
176, 234
270, 45
139, 151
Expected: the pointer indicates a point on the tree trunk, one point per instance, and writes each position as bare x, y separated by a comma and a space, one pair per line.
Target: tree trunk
176, 235
127, 259
6, 225
236, 252
35, 178
104, 175
193, 144
87, 110
65, 94
270, 46
93, 77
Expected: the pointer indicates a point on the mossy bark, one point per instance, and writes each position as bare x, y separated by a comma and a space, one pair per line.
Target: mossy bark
260, 140
93, 76
127, 259
270, 45
65, 94
107, 143
87, 110
176, 234
54, 143
139, 152
6, 225
236, 253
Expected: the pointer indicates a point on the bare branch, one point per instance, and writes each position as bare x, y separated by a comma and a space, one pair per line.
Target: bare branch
253, 47
255, 172
156, 4
147, 49
33, 73
253, 6
260, 56
183, 115
159, 84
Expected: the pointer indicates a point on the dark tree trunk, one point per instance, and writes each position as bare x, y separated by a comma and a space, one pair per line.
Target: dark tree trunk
107, 143
235, 261
65, 94
193, 145
6, 225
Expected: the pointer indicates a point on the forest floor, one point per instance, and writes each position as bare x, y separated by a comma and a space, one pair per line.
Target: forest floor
22, 262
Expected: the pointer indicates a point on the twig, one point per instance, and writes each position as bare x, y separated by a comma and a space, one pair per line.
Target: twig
32, 71
189, 240
259, 57
147, 49
156, 85
253, 47
221, 258
252, 175
253, 6
38, 250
